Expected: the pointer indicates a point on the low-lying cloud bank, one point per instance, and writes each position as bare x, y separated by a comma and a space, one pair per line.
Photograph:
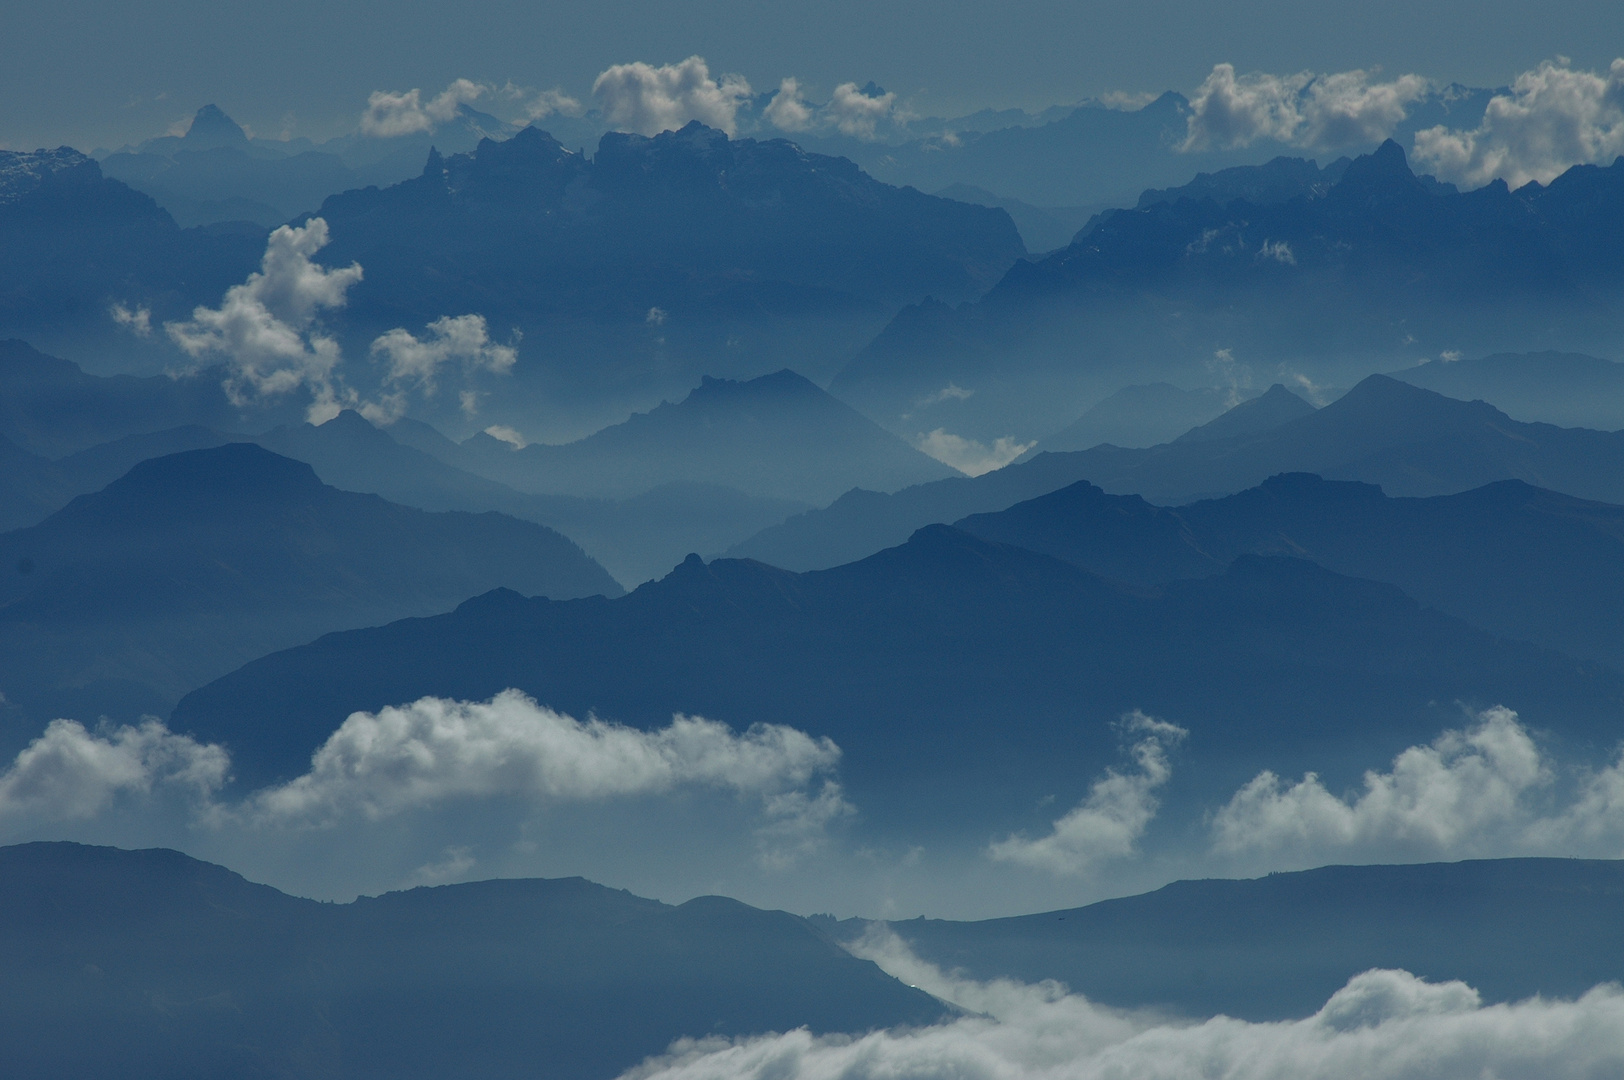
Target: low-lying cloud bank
268, 330
434, 752
1383, 1025
1486, 790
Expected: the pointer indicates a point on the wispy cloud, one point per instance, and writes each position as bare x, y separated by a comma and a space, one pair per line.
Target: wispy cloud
137, 320
1382, 1025
647, 100
415, 363
1554, 118
968, 455
1328, 112
1109, 823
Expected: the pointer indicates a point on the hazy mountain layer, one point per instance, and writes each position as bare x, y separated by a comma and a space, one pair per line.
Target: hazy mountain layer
183, 967
192, 564
1375, 271
778, 436
1566, 389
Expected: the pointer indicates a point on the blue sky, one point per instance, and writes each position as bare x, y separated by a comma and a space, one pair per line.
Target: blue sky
89, 72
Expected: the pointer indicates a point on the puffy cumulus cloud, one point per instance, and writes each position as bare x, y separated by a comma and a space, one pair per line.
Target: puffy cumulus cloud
463, 340
1554, 118
856, 113
851, 110
648, 100
1108, 823
970, 457
1383, 1025
540, 104
72, 773
137, 321
266, 328
435, 750
1469, 792
1312, 111
789, 110
390, 114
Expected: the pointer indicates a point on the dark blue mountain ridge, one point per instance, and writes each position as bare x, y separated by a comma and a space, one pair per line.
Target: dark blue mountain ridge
1566, 389
1277, 947
962, 678
1380, 268
191, 564
476, 980
1510, 558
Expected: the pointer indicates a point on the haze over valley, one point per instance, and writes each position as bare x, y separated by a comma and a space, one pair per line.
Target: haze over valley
753, 556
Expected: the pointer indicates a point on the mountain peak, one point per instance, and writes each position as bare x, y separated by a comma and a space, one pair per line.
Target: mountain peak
212, 127
1274, 407
1380, 175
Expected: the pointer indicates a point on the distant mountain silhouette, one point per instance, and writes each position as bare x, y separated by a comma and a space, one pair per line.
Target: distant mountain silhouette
1510, 558
1262, 414
54, 407
1566, 389
1137, 416
72, 241
191, 564
1279, 180
1367, 274
1277, 947
181, 967
776, 436
1408, 440
962, 678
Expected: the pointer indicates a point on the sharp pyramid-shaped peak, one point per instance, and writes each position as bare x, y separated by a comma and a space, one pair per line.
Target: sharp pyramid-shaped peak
211, 127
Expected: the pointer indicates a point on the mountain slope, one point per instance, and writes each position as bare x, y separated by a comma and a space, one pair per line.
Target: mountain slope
1279, 946
1566, 389
182, 967
961, 678
775, 436
191, 564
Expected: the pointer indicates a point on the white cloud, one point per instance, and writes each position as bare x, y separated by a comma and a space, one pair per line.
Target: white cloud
855, 113
788, 110
1278, 250
416, 362
1469, 793
1108, 823
849, 110
1306, 110
648, 100
1554, 118
71, 773
434, 750
266, 328
389, 114
969, 456
540, 104
503, 433
137, 321
1383, 1025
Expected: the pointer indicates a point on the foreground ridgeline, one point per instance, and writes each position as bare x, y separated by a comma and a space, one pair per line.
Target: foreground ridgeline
180, 967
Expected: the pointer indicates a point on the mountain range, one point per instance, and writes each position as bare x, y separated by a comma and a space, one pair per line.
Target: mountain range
1409, 441
1366, 274
905, 658
1565, 389
189, 565
181, 967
